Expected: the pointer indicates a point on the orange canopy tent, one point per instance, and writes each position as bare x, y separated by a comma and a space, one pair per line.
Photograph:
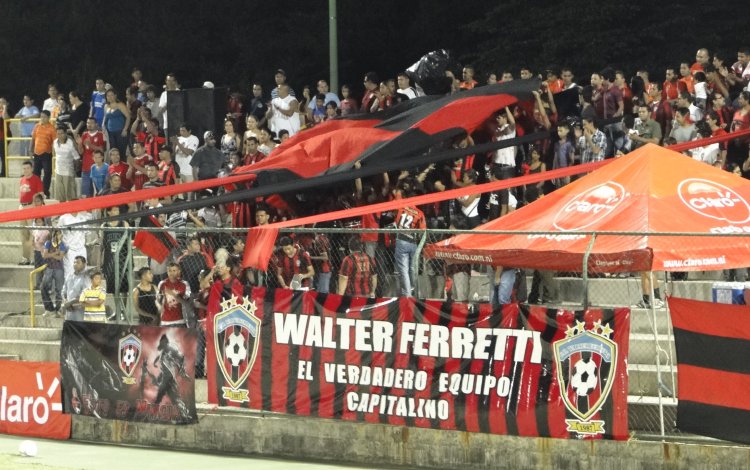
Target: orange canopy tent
648, 191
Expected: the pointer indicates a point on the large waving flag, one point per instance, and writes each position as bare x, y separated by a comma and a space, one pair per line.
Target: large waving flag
390, 138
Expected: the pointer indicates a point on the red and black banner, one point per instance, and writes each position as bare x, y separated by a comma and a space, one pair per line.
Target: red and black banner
154, 244
133, 373
401, 361
713, 347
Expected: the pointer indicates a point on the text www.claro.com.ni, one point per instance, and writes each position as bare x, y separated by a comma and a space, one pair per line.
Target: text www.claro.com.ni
463, 257
693, 262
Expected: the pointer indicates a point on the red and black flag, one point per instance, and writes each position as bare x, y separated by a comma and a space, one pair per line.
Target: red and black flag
411, 129
713, 347
156, 244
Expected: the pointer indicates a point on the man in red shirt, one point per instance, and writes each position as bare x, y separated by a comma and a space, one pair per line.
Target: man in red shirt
468, 82
30, 185
252, 154
91, 140
118, 167
370, 102
661, 110
701, 60
151, 139
670, 90
173, 295
223, 288
357, 276
294, 265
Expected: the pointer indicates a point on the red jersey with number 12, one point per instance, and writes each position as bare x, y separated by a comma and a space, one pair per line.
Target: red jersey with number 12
410, 218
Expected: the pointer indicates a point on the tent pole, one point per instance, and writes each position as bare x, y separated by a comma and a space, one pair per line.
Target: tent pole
658, 360
585, 272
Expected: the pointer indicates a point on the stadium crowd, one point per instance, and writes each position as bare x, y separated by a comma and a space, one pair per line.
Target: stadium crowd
117, 143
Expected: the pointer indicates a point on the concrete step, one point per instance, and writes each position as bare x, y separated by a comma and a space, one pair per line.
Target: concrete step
31, 350
30, 334
12, 278
9, 188
9, 357
16, 299
642, 321
643, 348
643, 380
644, 414
24, 320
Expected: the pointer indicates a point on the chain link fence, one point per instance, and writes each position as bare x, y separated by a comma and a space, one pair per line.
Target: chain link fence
652, 394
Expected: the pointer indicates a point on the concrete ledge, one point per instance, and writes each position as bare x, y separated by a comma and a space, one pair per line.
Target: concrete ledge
377, 445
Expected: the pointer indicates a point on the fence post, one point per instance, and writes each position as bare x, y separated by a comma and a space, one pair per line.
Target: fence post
119, 273
585, 272
415, 262
129, 263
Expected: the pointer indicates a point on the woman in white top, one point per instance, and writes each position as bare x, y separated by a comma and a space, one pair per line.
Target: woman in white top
252, 129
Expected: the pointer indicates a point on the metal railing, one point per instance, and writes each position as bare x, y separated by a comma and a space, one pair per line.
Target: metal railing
16, 143
32, 285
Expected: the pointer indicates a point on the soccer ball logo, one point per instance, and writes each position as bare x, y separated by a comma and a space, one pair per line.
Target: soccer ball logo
584, 377
130, 355
236, 351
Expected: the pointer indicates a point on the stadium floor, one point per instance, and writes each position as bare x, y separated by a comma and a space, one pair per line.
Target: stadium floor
70, 455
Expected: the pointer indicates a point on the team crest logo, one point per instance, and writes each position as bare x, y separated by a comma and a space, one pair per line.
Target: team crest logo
586, 361
236, 331
128, 355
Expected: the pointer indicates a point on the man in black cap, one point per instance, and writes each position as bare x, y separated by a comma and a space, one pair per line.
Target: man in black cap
207, 160
280, 78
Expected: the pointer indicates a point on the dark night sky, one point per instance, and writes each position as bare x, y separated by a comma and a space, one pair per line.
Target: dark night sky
231, 42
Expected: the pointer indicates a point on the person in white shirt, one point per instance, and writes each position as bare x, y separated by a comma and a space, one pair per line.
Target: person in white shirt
404, 86
51, 103
184, 147
74, 239
66, 154
283, 112
170, 84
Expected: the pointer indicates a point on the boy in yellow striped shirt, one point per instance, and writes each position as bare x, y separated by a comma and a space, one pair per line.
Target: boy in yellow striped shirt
93, 300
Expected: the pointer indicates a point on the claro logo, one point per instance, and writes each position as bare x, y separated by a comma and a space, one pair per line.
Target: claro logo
589, 207
714, 200
27, 409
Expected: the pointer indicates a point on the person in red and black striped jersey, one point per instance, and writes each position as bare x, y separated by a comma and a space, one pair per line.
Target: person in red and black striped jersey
357, 276
295, 262
407, 218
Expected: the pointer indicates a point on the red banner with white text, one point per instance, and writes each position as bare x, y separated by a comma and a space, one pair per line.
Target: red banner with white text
519, 370
31, 401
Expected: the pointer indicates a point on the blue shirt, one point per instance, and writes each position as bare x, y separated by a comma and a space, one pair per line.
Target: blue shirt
98, 177
329, 97
97, 106
27, 127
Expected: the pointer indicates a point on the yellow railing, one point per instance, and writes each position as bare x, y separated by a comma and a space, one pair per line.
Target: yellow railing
32, 303
16, 138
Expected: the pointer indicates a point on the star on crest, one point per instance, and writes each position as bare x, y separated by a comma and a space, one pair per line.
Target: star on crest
602, 330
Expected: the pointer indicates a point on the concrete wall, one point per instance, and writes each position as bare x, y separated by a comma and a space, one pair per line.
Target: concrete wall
382, 445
